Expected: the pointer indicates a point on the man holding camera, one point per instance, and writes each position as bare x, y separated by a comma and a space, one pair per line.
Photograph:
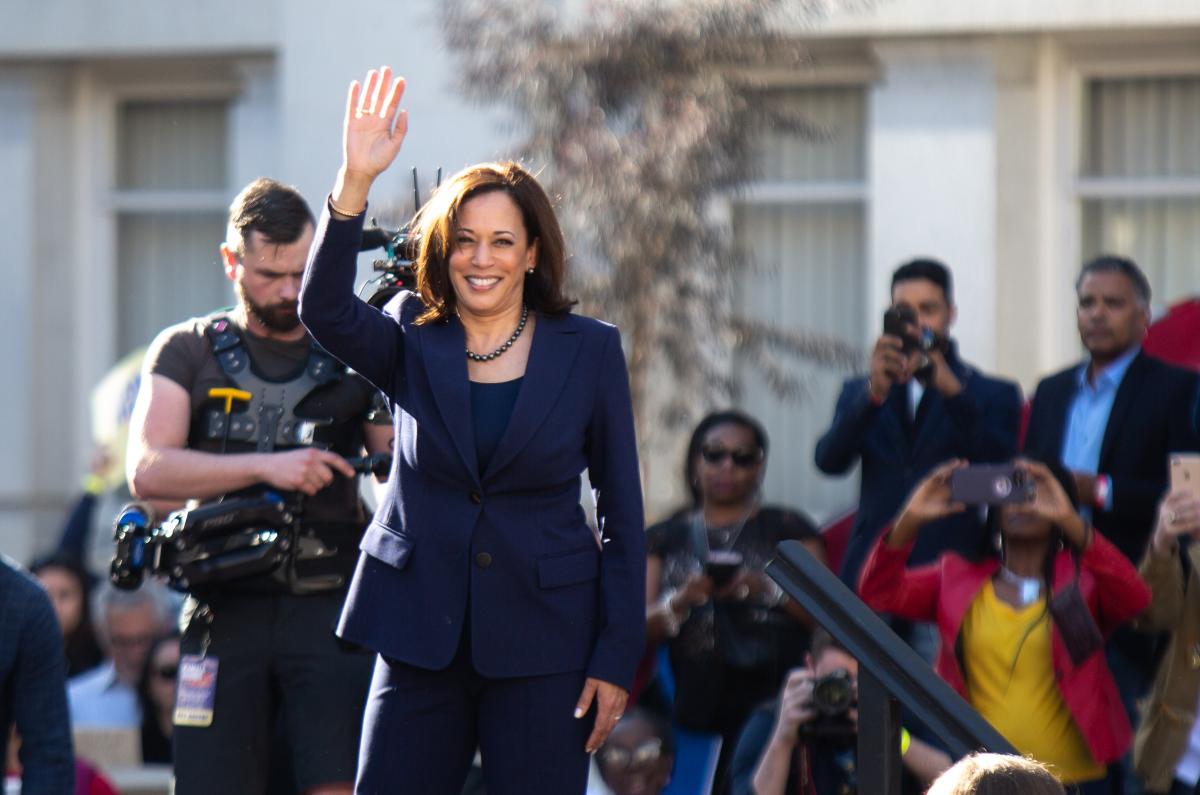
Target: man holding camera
1113, 420
237, 403
919, 405
806, 741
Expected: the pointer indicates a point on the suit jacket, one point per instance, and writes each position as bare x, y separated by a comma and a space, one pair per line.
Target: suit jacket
944, 590
979, 424
1150, 418
506, 550
33, 692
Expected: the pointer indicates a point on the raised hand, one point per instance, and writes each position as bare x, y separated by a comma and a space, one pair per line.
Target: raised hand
929, 501
1178, 515
372, 133
1052, 503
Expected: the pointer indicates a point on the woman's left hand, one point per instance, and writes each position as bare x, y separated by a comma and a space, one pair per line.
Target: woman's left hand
1050, 502
610, 706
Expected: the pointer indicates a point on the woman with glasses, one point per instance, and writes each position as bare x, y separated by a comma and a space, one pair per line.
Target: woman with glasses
731, 633
156, 694
637, 758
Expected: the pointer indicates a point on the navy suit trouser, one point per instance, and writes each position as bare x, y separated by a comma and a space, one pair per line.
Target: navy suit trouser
422, 727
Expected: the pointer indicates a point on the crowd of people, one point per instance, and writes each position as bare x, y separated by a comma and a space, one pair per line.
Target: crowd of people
478, 635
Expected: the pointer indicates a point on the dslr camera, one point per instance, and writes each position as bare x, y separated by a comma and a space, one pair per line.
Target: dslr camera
833, 696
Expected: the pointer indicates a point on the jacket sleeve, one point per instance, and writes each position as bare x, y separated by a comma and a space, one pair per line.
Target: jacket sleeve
616, 481
986, 416
1120, 592
842, 444
360, 336
39, 702
1163, 573
888, 586
1136, 498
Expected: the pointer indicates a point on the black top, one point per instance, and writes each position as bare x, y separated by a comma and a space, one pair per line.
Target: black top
491, 407
730, 655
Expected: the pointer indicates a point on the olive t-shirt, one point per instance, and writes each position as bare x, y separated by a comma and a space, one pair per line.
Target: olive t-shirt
184, 354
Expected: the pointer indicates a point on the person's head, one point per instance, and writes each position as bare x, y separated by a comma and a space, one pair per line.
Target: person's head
156, 685
726, 459
926, 287
127, 623
1018, 522
267, 239
827, 656
481, 234
66, 584
996, 774
1113, 308
639, 754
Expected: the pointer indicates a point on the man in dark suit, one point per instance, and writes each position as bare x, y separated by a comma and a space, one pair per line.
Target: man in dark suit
33, 692
1112, 420
912, 412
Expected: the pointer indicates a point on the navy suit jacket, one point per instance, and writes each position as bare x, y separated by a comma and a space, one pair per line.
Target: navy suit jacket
979, 424
1151, 418
508, 547
33, 686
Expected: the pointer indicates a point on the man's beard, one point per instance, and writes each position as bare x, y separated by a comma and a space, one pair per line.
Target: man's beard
283, 317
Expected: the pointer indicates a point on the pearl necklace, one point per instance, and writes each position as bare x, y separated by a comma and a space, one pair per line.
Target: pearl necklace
487, 357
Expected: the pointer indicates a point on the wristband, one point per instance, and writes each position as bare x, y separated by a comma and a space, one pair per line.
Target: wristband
875, 401
93, 484
905, 739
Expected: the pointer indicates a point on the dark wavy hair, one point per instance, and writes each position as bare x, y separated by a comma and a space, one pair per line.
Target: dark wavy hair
726, 417
81, 644
437, 225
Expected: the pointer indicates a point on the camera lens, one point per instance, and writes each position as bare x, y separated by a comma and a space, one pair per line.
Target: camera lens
833, 693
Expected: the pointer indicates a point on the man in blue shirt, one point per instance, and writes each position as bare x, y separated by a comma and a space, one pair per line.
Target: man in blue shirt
32, 677
1112, 420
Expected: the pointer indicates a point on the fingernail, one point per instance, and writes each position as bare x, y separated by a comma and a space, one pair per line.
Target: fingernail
579, 712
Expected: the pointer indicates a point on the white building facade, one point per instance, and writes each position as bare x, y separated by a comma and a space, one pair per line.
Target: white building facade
1010, 139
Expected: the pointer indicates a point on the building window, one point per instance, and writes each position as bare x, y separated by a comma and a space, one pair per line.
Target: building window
804, 223
1140, 178
170, 194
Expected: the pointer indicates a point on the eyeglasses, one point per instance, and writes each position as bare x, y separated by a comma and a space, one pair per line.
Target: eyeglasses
168, 672
745, 457
644, 753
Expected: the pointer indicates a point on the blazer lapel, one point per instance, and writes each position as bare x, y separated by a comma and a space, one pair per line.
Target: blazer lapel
551, 355
1120, 409
442, 346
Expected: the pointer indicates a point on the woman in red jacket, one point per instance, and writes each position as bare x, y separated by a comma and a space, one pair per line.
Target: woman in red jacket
1022, 628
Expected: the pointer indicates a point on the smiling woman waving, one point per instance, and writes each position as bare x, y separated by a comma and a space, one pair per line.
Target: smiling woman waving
501, 621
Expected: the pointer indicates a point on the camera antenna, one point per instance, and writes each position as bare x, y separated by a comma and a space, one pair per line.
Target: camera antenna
416, 191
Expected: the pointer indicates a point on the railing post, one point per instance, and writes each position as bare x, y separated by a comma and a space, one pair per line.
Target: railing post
878, 737
888, 672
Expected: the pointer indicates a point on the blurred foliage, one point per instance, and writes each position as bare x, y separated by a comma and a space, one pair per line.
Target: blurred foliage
644, 119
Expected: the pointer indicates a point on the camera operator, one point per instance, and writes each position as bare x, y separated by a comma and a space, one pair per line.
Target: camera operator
805, 742
919, 405
261, 647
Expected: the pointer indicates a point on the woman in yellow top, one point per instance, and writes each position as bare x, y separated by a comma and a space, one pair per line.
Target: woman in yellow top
1022, 627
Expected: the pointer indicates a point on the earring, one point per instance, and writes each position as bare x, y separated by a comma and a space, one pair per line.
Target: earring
529, 272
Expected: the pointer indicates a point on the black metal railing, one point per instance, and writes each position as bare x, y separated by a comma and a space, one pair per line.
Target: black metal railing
890, 675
